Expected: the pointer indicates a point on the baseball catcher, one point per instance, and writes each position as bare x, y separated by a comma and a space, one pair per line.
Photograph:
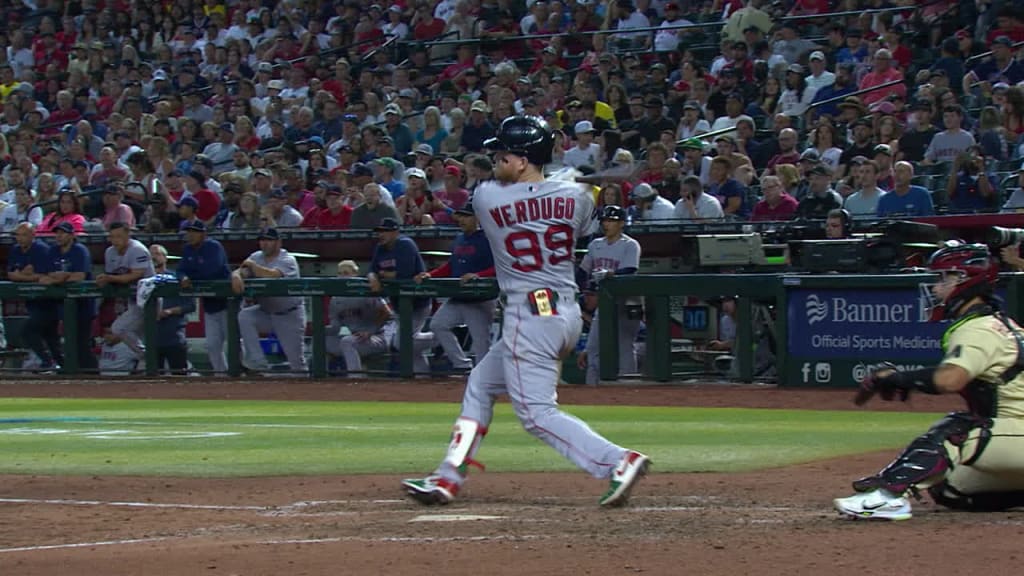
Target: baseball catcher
969, 460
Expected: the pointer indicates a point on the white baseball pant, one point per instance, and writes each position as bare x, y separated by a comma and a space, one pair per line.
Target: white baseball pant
289, 326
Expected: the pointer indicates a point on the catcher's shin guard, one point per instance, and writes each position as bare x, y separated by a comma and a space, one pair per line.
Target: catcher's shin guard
466, 437
925, 459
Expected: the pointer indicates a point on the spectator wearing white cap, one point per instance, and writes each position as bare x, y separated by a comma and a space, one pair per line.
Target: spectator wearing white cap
395, 27
648, 205
819, 77
586, 152
798, 95
744, 18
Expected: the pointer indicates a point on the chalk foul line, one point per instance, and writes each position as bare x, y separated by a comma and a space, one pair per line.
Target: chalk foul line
83, 544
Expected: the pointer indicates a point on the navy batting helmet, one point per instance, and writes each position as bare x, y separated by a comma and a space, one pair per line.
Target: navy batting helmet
613, 212
526, 136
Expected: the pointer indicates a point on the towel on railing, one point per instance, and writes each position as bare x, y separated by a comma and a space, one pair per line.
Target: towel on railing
147, 285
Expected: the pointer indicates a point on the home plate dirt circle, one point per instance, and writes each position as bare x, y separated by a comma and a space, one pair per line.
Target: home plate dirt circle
776, 521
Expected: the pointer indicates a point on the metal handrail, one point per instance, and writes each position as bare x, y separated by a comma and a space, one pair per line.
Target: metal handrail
989, 53
854, 93
578, 33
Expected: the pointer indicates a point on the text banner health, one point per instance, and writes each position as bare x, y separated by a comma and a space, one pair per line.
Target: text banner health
862, 324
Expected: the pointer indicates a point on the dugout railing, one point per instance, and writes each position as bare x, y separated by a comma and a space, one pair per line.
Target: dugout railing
795, 302
811, 330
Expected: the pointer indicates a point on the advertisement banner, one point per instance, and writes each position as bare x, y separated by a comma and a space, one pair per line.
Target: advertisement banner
837, 336
865, 325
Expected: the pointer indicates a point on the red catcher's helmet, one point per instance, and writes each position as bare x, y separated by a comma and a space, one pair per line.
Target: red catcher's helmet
977, 272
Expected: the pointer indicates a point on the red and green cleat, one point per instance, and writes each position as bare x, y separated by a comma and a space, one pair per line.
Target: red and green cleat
430, 491
633, 466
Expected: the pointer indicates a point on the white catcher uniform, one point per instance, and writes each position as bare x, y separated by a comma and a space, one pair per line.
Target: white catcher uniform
532, 229
623, 253
285, 316
129, 324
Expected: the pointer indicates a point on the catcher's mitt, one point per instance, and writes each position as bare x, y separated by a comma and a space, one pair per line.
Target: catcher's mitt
885, 380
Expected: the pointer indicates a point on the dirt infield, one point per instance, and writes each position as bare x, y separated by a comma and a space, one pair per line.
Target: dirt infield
768, 522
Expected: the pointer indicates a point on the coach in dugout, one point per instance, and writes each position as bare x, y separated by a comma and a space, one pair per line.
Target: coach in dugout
28, 261
471, 259
204, 259
285, 316
71, 262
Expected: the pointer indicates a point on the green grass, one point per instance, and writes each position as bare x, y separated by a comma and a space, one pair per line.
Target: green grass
258, 438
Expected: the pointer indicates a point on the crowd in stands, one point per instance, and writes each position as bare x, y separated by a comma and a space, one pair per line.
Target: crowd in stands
330, 115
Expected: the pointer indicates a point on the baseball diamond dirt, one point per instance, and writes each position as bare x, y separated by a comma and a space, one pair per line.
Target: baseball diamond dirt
776, 521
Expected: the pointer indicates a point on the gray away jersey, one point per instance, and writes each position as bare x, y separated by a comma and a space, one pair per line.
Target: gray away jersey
623, 253
532, 230
136, 256
289, 268
359, 314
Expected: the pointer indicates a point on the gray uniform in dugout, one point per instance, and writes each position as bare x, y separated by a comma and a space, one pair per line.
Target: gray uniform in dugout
128, 325
621, 256
285, 316
371, 325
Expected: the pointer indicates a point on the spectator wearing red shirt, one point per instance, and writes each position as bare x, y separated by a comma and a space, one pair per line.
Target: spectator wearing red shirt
68, 34
335, 216
64, 114
368, 34
788, 153
207, 201
777, 204
881, 72
48, 51
464, 58
901, 55
108, 170
809, 7
453, 196
425, 25
1007, 24
336, 84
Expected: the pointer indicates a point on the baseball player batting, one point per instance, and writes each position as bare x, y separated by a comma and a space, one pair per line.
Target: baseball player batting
613, 255
969, 460
471, 258
531, 224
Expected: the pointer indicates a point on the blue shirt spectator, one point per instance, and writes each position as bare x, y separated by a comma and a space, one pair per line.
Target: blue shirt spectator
912, 201
728, 190
968, 194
